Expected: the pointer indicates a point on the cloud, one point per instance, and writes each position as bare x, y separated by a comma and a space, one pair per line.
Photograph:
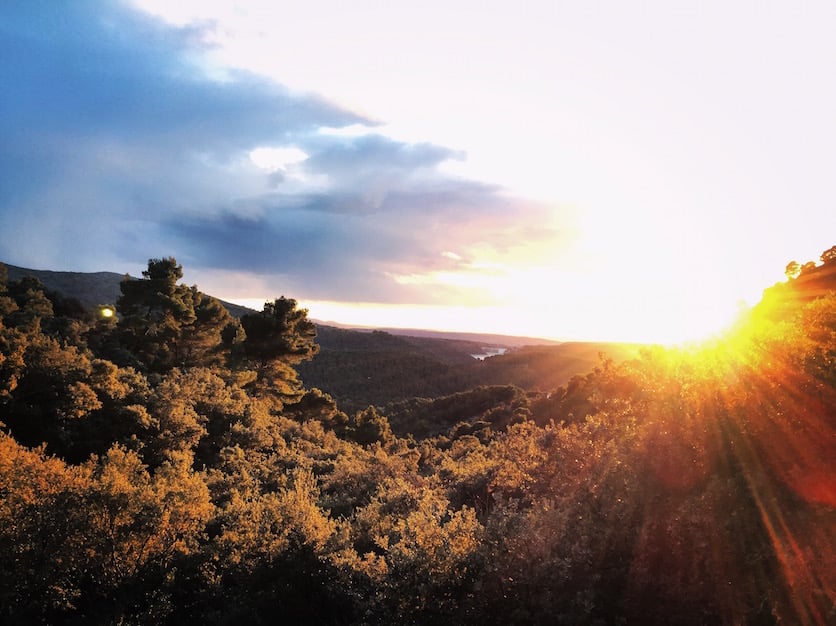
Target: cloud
106, 120
120, 143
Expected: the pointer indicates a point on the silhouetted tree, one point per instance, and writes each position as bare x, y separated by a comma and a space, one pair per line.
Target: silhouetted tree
792, 270
166, 325
829, 255
809, 266
277, 338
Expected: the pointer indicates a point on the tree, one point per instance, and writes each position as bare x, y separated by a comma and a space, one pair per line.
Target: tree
277, 338
7, 304
151, 313
792, 270
368, 427
207, 339
829, 255
166, 325
808, 267
31, 301
279, 331
39, 526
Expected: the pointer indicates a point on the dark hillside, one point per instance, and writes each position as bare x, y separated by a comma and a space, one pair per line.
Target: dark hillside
360, 369
816, 281
374, 368
804, 283
450, 351
544, 368
91, 289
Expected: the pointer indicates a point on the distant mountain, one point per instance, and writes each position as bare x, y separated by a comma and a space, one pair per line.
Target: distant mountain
362, 367
92, 289
378, 368
485, 340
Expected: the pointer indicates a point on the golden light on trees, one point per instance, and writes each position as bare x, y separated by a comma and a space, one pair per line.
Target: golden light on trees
689, 484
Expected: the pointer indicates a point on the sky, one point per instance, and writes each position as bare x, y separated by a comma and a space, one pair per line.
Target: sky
573, 170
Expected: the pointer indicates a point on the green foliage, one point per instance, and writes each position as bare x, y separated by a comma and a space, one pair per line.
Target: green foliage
277, 338
369, 427
482, 407
165, 325
279, 332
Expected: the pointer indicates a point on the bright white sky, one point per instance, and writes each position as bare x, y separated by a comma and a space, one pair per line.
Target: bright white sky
686, 150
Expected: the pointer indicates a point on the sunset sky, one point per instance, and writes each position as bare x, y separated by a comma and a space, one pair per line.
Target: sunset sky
572, 170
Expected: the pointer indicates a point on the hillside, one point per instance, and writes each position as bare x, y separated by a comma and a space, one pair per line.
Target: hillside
483, 339
804, 284
544, 368
158, 468
91, 289
362, 367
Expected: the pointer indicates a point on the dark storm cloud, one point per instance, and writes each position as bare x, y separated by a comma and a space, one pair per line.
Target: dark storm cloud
104, 119
117, 145
318, 256
335, 246
84, 68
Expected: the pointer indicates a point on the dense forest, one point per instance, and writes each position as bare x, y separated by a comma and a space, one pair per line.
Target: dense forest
164, 463
360, 369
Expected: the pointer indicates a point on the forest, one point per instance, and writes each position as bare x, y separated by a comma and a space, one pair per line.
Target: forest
165, 463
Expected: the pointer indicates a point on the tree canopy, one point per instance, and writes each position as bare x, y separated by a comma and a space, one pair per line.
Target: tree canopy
169, 467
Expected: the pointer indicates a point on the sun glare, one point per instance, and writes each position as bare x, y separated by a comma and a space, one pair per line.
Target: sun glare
526, 304
695, 325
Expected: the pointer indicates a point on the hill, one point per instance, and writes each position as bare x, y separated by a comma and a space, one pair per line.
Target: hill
91, 289
804, 284
155, 471
362, 367
486, 340
544, 368
378, 368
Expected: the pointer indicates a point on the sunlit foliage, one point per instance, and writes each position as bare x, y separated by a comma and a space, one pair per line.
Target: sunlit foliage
168, 466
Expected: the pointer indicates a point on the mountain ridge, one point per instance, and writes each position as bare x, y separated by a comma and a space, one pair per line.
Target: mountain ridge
94, 289
486, 339
371, 366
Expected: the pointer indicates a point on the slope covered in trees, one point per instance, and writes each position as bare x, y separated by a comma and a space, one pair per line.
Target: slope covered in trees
168, 466
362, 368
91, 289
378, 368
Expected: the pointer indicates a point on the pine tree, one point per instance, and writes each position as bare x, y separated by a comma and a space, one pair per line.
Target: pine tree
166, 325
277, 338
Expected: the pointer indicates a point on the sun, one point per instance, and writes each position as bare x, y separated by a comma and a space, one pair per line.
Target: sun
700, 324
623, 308
638, 314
